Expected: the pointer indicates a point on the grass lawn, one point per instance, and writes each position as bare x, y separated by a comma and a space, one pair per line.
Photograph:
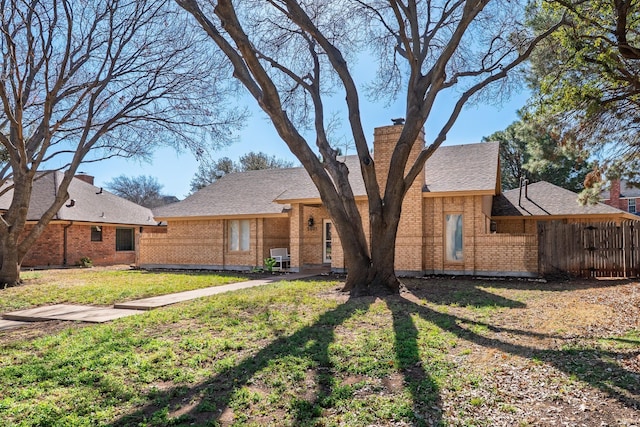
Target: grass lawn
103, 286
449, 352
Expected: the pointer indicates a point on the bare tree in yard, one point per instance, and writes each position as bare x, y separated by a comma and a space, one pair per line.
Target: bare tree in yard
290, 54
81, 82
210, 172
144, 190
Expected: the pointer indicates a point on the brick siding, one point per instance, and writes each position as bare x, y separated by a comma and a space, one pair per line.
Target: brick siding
204, 243
49, 248
420, 243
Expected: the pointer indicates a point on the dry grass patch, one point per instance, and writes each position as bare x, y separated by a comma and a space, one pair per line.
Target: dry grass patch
448, 353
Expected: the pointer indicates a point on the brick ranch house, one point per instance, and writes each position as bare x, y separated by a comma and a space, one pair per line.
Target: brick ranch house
455, 218
93, 223
623, 196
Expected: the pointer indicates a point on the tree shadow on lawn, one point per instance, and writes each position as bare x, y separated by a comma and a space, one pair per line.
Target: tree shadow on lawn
212, 397
443, 284
461, 293
216, 393
592, 366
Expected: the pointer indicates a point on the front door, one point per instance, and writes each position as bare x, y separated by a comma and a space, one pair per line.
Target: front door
326, 241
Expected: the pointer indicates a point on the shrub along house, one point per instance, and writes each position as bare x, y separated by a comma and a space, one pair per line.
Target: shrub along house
455, 218
93, 223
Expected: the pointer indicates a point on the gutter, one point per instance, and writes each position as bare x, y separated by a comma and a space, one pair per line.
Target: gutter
64, 244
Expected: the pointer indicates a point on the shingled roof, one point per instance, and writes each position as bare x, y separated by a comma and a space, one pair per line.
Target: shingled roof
249, 193
463, 168
456, 168
544, 199
92, 204
627, 191
305, 189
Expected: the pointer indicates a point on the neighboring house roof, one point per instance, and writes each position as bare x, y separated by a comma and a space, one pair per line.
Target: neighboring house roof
456, 168
544, 199
626, 192
92, 204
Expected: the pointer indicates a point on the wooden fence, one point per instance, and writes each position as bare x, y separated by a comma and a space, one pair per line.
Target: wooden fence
589, 250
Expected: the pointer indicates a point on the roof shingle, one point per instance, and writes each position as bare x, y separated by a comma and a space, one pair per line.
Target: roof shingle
544, 199
91, 204
472, 167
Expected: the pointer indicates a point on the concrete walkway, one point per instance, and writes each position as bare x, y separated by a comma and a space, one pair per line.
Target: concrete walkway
86, 313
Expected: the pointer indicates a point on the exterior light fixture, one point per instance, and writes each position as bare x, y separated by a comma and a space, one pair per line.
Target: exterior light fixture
310, 221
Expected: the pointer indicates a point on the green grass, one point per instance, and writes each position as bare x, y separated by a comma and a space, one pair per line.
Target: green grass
277, 354
85, 286
285, 354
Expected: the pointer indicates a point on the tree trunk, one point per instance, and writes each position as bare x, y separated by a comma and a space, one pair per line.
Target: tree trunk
376, 274
10, 271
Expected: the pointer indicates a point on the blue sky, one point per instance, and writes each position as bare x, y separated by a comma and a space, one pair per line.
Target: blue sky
175, 170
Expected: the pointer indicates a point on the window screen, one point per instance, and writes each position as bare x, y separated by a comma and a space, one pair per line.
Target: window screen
125, 239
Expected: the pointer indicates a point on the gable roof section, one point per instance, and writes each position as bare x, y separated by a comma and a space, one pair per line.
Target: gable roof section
305, 189
91, 205
545, 199
250, 193
269, 192
451, 169
463, 168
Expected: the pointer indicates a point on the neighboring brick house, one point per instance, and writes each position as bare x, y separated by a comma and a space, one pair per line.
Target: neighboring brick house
622, 196
93, 223
455, 220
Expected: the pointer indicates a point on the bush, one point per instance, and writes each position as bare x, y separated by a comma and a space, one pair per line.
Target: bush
85, 262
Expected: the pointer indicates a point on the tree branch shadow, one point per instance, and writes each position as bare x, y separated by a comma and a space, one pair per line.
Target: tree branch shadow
592, 366
424, 390
215, 394
417, 371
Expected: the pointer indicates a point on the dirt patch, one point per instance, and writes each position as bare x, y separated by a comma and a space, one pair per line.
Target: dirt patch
34, 330
547, 353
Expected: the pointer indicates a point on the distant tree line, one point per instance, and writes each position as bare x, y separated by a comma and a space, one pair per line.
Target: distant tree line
210, 172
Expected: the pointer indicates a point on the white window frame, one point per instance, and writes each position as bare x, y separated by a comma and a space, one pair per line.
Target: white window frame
239, 235
327, 232
631, 205
454, 237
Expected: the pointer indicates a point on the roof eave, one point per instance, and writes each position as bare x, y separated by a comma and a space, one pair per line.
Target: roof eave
231, 216
433, 194
311, 201
622, 215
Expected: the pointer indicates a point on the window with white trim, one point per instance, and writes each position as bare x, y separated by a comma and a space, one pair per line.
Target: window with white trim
632, 205
239, 234
453, 237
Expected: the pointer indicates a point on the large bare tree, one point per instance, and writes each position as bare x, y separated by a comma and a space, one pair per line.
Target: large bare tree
84, 81
291, 54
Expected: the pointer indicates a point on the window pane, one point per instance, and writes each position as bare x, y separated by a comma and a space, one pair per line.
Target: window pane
245, 227
234, 235
453, 237
96, 234
124, 239
632, 205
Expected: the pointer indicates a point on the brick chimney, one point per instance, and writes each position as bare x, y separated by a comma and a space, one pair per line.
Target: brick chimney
410, 234
84, 177
384, 141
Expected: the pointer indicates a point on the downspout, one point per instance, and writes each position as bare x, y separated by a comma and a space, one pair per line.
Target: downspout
57, 216
64, 248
